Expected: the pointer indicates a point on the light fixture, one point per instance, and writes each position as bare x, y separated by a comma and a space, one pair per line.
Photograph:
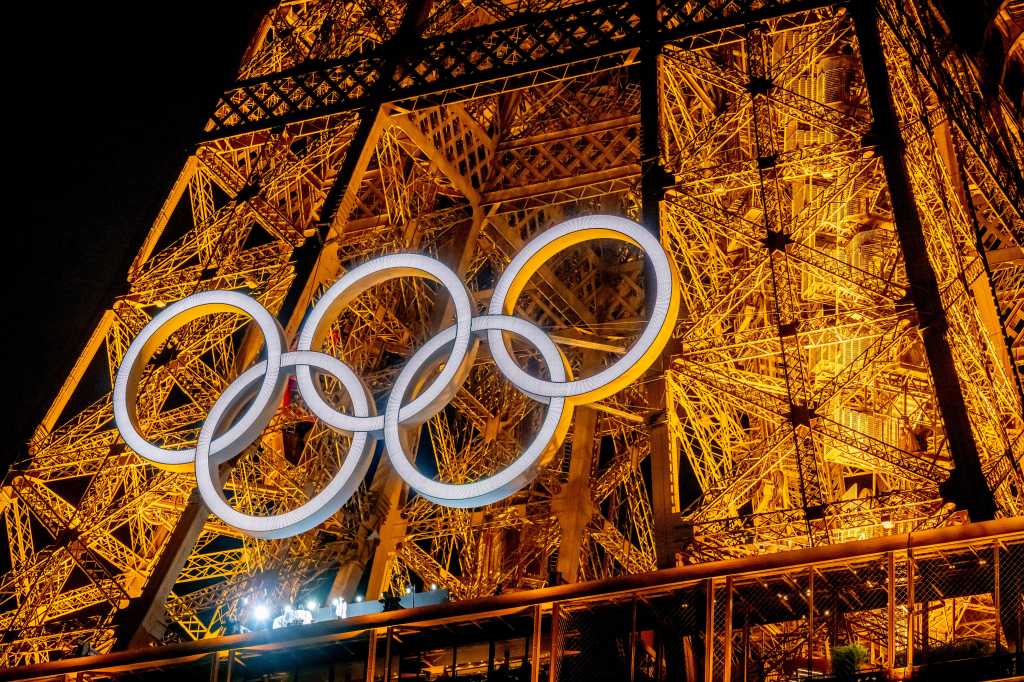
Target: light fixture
310, 605
261, 612
433, 587
359, 597
408, 590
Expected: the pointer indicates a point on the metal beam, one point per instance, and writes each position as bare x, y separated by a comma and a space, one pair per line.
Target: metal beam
510, 601
966, 485
525, 51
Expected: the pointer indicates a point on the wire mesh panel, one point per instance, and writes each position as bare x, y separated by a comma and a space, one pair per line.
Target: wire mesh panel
1011, 597
670, 635
491, 649
954, 611
771, 611
594, 642
851, 619
966, 610
721, 632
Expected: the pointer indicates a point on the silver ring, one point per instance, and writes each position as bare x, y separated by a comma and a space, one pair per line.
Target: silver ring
249, 402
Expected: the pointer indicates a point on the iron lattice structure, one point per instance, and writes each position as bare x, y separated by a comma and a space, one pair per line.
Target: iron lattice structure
843, 200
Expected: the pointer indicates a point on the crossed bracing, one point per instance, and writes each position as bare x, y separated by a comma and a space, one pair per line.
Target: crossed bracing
799, 398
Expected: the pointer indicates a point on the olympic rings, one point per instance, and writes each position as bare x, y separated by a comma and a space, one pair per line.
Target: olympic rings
513, 477
343, 292
639, 356
245, 429
323, 504
247, 405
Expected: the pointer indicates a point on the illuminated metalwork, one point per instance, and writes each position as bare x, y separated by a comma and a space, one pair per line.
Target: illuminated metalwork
840, 197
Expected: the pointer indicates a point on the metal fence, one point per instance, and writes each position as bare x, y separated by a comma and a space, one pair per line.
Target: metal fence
926, 606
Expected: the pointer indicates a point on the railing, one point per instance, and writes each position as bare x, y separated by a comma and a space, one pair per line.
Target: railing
941, 604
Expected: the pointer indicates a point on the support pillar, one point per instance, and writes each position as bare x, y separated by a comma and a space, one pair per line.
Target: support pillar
810, 618
556, 628
573, 504
997, 594
141, 623
654, 180
709, 630
727, 655
910, 611
890, 611
966, 485
535, 641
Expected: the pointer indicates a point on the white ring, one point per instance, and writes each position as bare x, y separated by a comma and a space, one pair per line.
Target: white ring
638, 357
243, 430
433, 398
322, 505
515, 475
246, 415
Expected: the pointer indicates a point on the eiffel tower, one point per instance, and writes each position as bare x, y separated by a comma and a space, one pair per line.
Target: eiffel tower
843, 199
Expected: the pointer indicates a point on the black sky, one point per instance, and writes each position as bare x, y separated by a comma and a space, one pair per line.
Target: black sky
107, 99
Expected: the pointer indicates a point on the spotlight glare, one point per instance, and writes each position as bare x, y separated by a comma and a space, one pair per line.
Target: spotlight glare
310, 605
359, 597
261, 612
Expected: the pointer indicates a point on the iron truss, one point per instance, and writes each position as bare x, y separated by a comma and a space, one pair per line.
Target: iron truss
848, 360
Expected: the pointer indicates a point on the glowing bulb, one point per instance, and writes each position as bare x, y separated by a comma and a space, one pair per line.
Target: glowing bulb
408, 590
261, 612
310, 605
359, 597
433, 587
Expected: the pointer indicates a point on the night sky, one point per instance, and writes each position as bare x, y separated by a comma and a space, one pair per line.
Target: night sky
106, 101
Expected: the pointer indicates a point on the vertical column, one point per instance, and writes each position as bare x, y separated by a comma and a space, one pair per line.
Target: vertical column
746, 642
387, 656
890, 590
573, 505
727, 655
371, 657
709, 630
910, 610
556, 628
632, 643
654, 180
535, 639
966, 485
996, 593
810, 618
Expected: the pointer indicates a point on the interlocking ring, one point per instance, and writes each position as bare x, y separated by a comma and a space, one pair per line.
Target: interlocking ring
244, 410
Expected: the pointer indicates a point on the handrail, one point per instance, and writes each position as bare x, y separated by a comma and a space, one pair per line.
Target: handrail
512, 601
